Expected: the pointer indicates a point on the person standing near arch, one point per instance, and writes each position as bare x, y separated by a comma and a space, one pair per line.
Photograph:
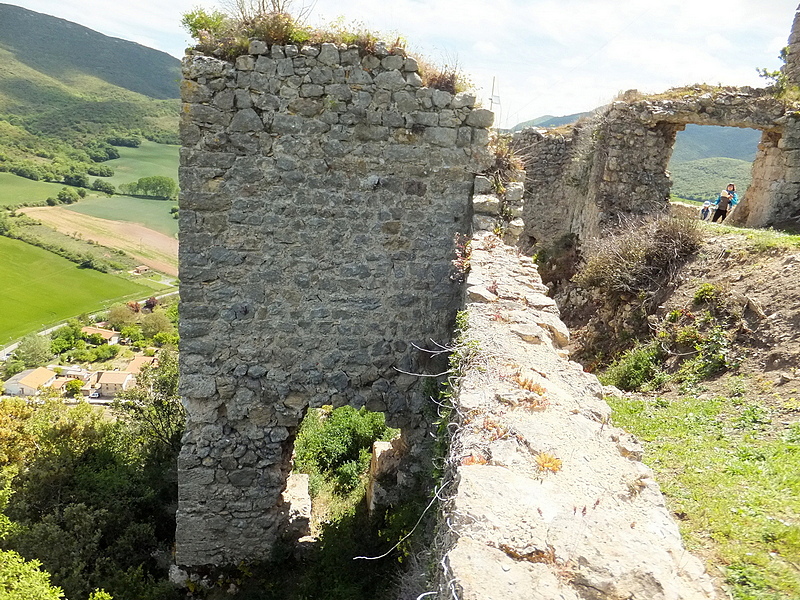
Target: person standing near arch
726, 201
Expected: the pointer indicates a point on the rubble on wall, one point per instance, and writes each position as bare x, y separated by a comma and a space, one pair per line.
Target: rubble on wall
549, 499
499, 212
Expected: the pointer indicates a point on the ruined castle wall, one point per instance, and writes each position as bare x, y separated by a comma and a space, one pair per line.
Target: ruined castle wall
776, 172
792, 66
547, 499
321, 193
614, 165
551, 194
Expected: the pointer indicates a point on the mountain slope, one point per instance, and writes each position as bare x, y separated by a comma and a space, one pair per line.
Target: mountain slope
704, 178
65, 90
705, 141
67, 51
549, 121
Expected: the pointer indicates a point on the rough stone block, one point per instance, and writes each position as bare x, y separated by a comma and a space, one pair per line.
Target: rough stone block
480, 117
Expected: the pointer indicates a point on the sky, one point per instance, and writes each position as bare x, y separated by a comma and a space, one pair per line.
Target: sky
544, 57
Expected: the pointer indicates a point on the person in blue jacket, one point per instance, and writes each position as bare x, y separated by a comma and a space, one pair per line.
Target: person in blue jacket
726, 201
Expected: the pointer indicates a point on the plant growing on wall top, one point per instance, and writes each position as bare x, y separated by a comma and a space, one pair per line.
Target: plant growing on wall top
228, 35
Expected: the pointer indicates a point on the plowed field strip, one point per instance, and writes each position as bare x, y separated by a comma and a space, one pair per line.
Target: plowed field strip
151, 248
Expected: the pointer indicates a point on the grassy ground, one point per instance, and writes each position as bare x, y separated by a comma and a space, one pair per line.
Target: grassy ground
153, 214
41, 288
145, 161
16, 190
732, 480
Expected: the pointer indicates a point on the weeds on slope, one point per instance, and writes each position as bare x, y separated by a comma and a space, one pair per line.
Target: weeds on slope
732, 479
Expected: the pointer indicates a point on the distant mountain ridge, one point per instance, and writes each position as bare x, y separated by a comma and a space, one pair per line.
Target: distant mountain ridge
550, 121
706, 141
62, 50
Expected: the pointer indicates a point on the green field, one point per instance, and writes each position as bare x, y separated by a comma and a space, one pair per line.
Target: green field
16, 190
145, 161
153, 214
41, 289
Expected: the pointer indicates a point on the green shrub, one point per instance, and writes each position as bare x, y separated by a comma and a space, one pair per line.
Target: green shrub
22, 580
706, 294
348, 475
636, 369
197, 21
325, 443
714, 355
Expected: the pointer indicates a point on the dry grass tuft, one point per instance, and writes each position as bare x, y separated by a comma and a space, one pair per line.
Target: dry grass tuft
641, 256
548, 462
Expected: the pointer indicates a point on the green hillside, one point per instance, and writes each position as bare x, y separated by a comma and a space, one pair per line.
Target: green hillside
703, 179
69, 52
704, 141
145, 161
15, 191
549, 121
69, 96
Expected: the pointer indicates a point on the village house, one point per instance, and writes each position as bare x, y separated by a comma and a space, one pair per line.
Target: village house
111, 337
28, 382
109, 383
135, 366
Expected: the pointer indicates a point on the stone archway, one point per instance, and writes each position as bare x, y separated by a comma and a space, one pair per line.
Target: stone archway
614, 164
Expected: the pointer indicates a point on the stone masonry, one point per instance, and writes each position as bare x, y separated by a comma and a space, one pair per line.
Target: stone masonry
321, 191
548, 499
792, 67
614, 164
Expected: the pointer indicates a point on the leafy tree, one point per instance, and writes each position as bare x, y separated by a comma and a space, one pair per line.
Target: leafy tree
22, 579
64, 338
33, 350
67, 196
95, 339
12, 367
132, 332
16, 441
155, 186
73, 388
105, 352
100, 171
120, 316
103, 186
166, 339
156, 322
172, 313
153, 405
77, 180
5, 224
92, 506
127, 141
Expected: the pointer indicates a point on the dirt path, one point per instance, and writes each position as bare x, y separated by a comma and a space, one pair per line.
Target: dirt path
151, 248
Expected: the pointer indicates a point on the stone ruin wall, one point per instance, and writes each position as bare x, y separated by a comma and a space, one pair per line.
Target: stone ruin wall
592, 526
613, 165
792, 67
321, 194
